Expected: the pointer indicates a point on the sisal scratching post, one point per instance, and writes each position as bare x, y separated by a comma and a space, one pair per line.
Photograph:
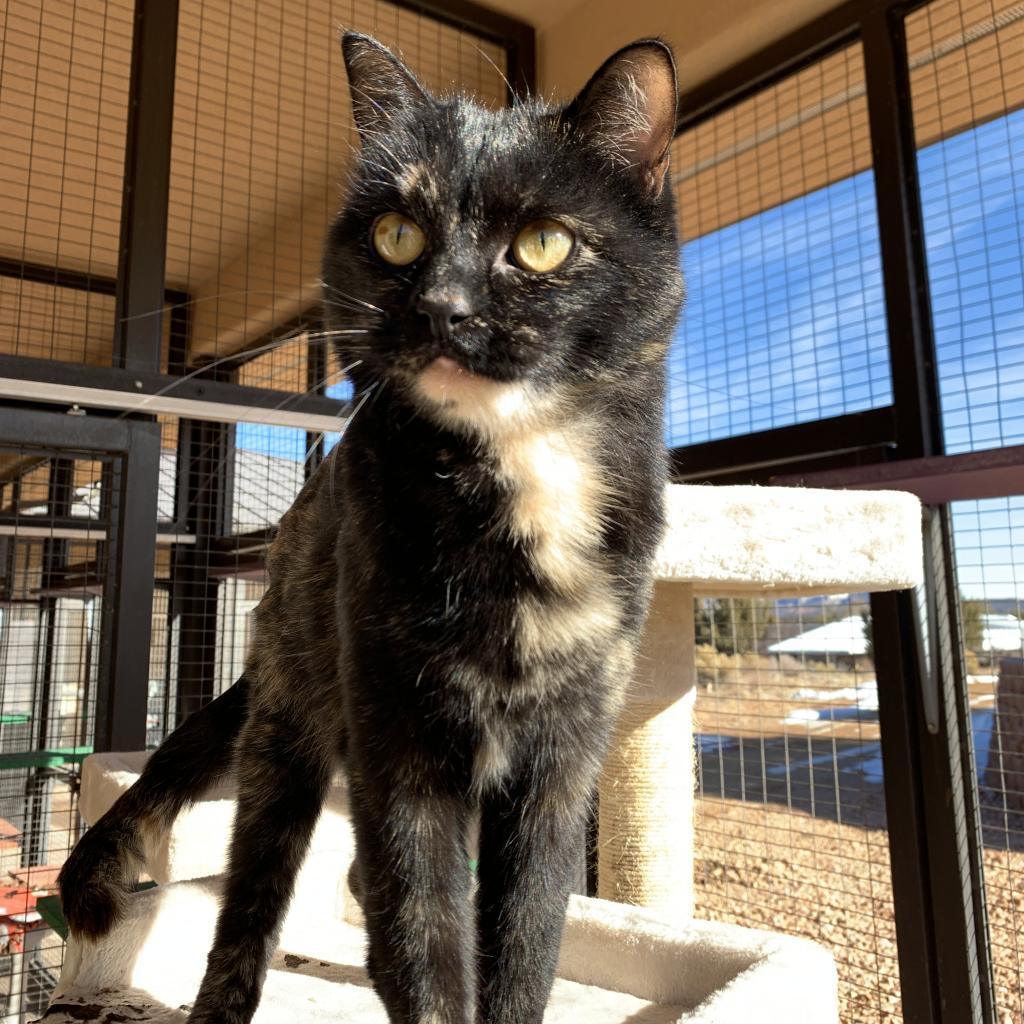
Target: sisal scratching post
646, 801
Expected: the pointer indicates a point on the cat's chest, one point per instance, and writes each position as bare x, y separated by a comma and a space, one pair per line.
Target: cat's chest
553, 502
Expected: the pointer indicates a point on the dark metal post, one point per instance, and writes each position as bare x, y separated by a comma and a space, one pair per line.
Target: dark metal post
955, 842
39, 781
923, 711
179, 333
517, 37
316, 375
205, 485
898, 667
122, 700
901, 234
147, 163
521, 63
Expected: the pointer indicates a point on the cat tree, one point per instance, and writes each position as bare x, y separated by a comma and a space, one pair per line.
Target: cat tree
641, 957
725, 542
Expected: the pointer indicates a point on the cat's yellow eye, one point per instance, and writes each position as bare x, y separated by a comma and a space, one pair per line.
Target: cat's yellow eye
543, 245
398, 239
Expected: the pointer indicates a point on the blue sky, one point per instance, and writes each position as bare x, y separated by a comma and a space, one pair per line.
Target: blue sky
285, 442
786, 317
785, 323
785, 320
972, 191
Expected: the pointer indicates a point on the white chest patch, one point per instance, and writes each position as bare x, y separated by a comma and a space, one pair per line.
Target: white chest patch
558, 499
556, 512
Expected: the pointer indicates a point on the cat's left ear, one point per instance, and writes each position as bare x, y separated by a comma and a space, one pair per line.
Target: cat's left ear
379, 83
629, 109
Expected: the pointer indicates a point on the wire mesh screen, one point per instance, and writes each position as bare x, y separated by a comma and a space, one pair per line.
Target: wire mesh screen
785, 320
791, 828
968, 88
989, 540
64, 71
262, 137
54, 567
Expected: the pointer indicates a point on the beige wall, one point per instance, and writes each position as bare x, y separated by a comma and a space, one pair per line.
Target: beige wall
708, 35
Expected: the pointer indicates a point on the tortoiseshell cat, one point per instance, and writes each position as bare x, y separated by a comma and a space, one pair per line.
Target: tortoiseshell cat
455, 596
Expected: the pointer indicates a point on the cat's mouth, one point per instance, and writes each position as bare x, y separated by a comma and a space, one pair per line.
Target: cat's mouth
471, 399
447, 366
444, 378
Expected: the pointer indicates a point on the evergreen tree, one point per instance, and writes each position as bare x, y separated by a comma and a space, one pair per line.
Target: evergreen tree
971, 626
733, 625
971, 623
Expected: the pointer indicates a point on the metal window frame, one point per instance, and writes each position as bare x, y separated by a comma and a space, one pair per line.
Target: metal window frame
944, 972
931, 793
127, 614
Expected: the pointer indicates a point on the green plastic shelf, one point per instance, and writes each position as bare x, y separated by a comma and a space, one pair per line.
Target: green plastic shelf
44, 758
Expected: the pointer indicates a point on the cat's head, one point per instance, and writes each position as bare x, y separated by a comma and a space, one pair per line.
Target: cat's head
505, 261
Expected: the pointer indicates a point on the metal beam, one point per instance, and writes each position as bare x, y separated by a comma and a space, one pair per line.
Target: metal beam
957, 852
76, 280
518, 37
955, 943
147, 171
931, 794
968, 476
827, 33
83, 533
206, 484
810, 42
59, 277
148, 393
316, 377
898, 654
39, 785
837, 435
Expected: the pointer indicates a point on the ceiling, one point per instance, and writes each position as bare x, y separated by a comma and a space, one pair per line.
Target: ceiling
262, 134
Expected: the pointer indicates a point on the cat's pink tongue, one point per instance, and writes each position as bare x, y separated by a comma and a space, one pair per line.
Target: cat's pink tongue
445, 364
444, 380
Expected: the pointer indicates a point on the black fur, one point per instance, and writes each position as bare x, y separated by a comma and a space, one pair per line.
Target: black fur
455, 596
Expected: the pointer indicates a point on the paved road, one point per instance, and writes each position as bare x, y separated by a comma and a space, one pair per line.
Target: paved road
839, 779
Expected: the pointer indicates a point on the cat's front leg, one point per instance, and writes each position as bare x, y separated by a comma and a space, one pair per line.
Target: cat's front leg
415, 883
529, 838
283, 774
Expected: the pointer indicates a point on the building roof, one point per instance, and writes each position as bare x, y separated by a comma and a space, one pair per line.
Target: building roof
844, 636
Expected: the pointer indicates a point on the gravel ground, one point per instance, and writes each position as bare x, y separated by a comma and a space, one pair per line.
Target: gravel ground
767, 866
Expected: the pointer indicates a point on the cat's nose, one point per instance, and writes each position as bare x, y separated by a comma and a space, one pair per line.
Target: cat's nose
446, 308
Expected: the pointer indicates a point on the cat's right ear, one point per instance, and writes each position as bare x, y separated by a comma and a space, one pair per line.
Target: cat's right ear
379, 83
628, 110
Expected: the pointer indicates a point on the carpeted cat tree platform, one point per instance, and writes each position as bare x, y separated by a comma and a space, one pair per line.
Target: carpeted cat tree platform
634, 956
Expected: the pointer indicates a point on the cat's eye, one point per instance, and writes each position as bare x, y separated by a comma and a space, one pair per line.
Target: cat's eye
543, 245
398, 239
